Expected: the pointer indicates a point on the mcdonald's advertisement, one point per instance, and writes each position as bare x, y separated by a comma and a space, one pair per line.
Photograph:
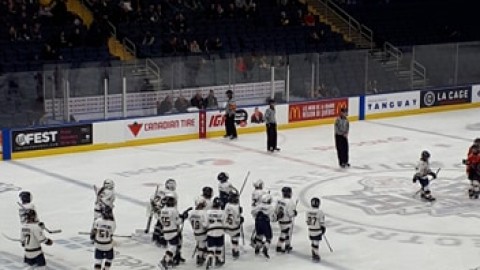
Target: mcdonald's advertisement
315, 110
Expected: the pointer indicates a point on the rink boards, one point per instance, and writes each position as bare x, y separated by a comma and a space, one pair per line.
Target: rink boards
71, 138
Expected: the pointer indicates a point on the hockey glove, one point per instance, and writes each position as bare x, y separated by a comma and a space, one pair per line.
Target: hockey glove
432, 174
295, 213
414, 180
242, 220
323, 229
92, 235
464, 162
184, 215
41, 225
49, 242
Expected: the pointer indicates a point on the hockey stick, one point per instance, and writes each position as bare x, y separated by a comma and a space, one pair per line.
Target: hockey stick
328, 244
242, 234
115, 235
11, 238
149, 220
40, 223
53, 231
244, 182
418, 191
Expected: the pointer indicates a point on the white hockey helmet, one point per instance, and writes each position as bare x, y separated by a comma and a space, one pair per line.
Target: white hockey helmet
171, 184
267, 199
258, 184
108, 184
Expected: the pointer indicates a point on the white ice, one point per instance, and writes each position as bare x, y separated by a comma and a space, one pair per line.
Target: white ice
374, 222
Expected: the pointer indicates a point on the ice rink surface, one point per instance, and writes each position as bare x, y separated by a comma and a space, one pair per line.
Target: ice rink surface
374, 223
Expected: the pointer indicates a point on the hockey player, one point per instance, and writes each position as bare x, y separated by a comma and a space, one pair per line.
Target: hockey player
25, 205
105, 196
258, 192
263, 214
316, 226
171, 221
285, 212
102, 235
198, 221
157, 202
31, 238
224, 188
215, 224
422, 172
234, 219
206, 198
473, 172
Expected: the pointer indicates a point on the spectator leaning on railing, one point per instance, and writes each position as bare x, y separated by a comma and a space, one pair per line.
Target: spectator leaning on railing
211, 101
198, 101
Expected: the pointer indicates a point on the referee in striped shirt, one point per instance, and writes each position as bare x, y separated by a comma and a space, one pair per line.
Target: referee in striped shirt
271, 122
342, 127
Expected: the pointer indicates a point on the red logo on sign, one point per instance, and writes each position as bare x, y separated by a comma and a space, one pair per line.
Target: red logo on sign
217, 121
135, 128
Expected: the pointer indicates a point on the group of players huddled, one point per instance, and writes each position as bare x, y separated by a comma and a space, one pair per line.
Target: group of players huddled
212, 218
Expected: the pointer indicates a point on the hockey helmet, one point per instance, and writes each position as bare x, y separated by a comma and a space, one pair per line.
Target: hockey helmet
287, 192
171, 184
217, 203
315, 202
258, 184
425, 155
25, 197
207, 192
222, 177
108, 184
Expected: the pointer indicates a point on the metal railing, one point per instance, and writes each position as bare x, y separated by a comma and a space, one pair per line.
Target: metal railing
418, 70
393, 52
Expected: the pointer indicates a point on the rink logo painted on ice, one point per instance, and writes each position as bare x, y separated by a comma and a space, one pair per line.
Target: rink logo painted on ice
10, 261
174, 167
389, 141
316, 110
442, 97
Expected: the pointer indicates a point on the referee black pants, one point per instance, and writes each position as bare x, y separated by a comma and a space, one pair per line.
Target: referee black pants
230, 127
271, 137
341, 143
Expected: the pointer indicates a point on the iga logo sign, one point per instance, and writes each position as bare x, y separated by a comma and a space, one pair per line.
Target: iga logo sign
218, 120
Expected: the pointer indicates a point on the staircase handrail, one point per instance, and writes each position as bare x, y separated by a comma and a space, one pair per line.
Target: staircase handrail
392, 51
153, 67
419, 70
130, 46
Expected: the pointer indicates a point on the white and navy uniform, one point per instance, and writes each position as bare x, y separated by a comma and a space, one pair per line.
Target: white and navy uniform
233, 221
22, 210
208, 202
224, 189
105, 197
422, 171
315, 219
170, 221
257, 196
103, 230
215, 224
198, 220
263, 215
157, 203
32, 237
286, 213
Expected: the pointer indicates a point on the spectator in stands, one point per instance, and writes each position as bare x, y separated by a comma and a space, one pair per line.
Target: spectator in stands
218, 45
181, 104
372, 87
257, 116
62, 41
284, 21
299, 18
220, 12
152, 15
241, 67
36, 32
231, 11
309, 19
146, 86
166, 106
198, 101
148, 39
194, 47
49, 53
12, 34
211, 100
315, 37
180, 24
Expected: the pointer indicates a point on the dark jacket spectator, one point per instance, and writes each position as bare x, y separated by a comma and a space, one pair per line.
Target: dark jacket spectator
181, 104
146, 86
211, 101
198, 101
166, 106
257, 116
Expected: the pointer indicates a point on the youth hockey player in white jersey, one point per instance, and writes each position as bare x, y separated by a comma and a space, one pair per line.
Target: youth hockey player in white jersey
170, 221
31, 238
25, 205
215, 224
102, 235
157, 202
234, 220
285, 212
263, 214
258, 192
316, 226
105, 196
198, 220
422, 172
206, 198
224, 188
